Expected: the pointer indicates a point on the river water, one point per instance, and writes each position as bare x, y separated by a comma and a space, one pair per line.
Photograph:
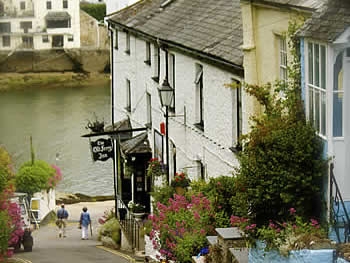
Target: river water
56, 119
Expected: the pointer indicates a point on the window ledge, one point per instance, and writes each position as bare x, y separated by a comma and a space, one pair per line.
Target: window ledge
199, 126
156, 79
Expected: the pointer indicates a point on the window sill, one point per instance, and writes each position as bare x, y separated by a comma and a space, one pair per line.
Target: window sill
199, 126
156, 79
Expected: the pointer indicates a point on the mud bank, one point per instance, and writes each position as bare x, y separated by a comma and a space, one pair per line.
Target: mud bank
51, 80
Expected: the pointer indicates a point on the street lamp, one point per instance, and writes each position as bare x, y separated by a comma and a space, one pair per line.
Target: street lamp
166, 94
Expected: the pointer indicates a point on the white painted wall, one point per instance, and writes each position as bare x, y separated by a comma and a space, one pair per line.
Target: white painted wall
210, 146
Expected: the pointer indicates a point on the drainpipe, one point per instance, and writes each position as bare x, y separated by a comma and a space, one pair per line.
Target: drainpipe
112, 113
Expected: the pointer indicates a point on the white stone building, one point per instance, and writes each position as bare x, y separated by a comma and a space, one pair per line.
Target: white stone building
196, 46
39, 24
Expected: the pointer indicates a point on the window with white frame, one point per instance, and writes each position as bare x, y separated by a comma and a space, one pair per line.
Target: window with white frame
149, 110
199, 97
316, 86
338, 95
171, 78
6, 41
48, 5
127, 43
22, 5
148, 53
65, 4
156, 64
283, 58
45, 38
128, 95
70, 38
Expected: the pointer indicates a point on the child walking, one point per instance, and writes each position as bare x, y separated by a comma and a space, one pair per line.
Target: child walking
84, 223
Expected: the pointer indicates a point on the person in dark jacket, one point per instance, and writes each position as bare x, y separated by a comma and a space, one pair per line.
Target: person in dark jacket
61, 222
85, 221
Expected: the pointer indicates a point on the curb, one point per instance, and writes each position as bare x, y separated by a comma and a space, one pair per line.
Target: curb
127, 257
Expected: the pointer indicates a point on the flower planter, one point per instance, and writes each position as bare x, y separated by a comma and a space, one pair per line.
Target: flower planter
180, 190
138, 216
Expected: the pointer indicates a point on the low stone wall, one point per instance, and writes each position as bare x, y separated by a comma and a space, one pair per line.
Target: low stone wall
77, 60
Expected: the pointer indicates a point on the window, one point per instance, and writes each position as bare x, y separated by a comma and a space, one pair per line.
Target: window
171, 78
2, 9
5, 27
27, 42
116, 43
6, 41
45, 38
156, 64
128, 96
26, 26
338, 96
149, 110
199, 97
127, 43
65, 3
70, 38
316, 86
148, 53
22, 5
283, 59
57, 41
48, 5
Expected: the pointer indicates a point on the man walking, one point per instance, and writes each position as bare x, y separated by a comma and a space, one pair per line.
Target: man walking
85, 221
62, 216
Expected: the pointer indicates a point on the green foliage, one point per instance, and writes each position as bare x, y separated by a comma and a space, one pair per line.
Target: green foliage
34, 178
6, 169
219, 191
282, 162
161, 194
98, 11
111, 229
5, 232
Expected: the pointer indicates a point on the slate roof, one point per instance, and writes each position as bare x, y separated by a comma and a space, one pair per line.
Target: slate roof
303, 4
328, 22
212, 27
137, 144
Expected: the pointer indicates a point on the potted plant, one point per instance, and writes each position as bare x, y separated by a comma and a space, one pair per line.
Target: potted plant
180, 182
136, 209
155, 168
96, 125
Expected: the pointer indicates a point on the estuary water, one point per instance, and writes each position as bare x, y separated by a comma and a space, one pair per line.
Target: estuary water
56, 118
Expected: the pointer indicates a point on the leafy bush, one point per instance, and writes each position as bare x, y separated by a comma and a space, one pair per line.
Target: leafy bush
282, 159
32, 178
110, 229
219, 191
98, 11
6, 168
292, 234
180, 228
5, 233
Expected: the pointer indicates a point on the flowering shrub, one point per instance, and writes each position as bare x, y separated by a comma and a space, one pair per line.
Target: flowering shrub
289, 235
55, 178
135, 207
180, 228
181, 180
155, 168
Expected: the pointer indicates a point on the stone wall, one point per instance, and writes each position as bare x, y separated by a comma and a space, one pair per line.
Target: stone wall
88, 60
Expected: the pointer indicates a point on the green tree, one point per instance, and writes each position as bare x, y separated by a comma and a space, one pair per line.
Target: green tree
34, 177
98, 11
282, 162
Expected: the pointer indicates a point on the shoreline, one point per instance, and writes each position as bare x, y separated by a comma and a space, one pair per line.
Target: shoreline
51, 80
70, 198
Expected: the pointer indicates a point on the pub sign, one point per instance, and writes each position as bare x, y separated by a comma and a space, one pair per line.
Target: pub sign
102, 149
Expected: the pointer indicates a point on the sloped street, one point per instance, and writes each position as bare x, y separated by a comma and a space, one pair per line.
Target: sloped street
49, 248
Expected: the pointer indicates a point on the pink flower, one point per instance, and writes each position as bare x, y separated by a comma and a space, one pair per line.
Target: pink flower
292, 211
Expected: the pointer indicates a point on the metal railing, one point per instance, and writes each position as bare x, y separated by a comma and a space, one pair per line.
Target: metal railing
339, 214
131, 226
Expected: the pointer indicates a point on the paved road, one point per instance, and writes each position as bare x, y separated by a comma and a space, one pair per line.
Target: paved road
49, 248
